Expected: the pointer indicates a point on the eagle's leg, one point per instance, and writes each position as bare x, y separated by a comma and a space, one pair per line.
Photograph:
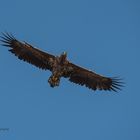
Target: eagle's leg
54, 81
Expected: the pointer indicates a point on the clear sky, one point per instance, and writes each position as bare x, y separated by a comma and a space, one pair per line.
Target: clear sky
101, 35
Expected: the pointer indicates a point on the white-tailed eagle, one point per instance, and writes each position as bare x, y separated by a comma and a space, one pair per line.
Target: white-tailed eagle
59, 66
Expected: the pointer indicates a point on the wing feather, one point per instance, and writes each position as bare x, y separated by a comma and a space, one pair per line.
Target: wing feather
92, 80
26, 52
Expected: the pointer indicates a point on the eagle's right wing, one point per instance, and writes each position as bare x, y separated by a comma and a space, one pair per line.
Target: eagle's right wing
26, 52
90, 79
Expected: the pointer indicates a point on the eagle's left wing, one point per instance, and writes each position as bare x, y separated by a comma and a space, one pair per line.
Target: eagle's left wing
26, 52
90, 79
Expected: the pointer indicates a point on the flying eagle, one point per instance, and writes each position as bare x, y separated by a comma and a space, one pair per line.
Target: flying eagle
59, 66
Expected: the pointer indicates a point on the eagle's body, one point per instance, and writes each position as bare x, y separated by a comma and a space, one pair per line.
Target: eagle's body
59, 66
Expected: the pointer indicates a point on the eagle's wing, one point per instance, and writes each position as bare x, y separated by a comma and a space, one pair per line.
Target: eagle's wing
26, 52
90, 79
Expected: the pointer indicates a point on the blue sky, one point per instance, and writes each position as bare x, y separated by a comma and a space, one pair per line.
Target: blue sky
99, 35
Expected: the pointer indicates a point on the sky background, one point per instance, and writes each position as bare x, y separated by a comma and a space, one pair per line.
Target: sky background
101, 35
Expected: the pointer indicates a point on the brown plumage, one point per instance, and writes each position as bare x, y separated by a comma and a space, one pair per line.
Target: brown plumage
59, 66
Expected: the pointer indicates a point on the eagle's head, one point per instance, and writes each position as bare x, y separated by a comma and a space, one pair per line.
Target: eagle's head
63, 57
64, 54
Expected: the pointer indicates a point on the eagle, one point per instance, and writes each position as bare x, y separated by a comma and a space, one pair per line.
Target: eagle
59, 66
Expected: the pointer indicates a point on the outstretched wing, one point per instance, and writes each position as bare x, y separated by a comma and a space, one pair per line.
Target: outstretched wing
91, 80
26, 52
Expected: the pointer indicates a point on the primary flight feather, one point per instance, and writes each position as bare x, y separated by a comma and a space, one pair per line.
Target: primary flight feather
59, 66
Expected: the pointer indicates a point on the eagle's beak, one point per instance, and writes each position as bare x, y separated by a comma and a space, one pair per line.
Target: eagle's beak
65, 53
